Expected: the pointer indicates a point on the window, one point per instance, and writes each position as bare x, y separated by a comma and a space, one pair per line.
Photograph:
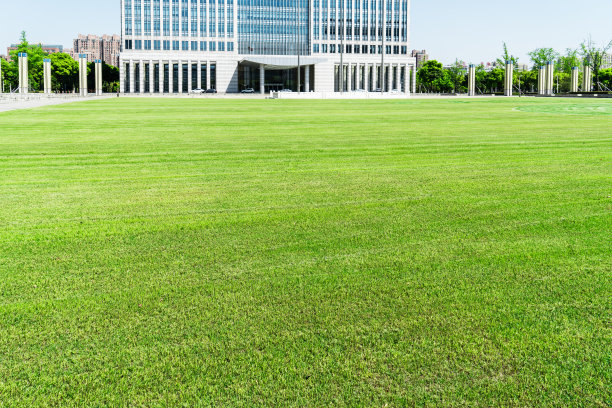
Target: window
212, 46
138, 44
221, 46
157, 44
194, 46
175, 45
202, 45
315, 48
230, 46
147, 44
185, 45
166, 45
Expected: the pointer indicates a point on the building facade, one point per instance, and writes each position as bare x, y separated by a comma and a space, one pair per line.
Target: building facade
50, 49
106, 48
421, 57
175, 46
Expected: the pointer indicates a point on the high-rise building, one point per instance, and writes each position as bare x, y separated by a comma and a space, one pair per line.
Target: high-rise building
174, 46
51, 49
606, 61
105, 48
421, 57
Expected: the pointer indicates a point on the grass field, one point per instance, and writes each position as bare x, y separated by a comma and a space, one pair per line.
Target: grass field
184, 252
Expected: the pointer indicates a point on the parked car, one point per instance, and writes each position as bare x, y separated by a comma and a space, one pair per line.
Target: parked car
285, 90
197, 91
377, 90
248, 91
360, 90
211, 91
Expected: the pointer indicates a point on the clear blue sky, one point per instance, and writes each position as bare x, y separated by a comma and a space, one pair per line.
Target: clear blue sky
472, 30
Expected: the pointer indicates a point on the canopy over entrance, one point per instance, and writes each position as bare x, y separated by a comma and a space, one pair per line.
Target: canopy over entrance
281, 62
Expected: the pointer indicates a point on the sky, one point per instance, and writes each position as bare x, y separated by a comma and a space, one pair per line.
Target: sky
468, 30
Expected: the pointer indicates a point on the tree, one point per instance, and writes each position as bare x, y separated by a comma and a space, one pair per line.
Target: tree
568, 61
457, 75
434, 77
8, 76
65, 72
593, 57
540, 56
35, 63
506, 56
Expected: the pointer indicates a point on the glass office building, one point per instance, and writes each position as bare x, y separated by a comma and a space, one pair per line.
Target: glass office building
175, 46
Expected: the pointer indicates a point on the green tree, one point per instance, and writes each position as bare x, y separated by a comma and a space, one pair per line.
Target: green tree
506, 56
566, 62
434, 77
605, 76
494, 80
64, 72
540, 56
593, 57
8, 76
458, 76
35, 63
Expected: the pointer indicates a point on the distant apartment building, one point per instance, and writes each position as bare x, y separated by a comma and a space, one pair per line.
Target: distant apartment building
606, 61
51, 49
421, 57
105, 48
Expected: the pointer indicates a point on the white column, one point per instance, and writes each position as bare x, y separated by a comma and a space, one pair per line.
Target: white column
132, 74
161, 76
208, 75
141, 77
349, 75
47, 76
262, 79
180, 77
366, 78
23, 73
574, 85
541, 80
550, 71
151, 76
508, 79
407, 79
1, 80
98, 77
171, 77
413, 77
199, 79
307, 79
121, 75
472, 80
189, 75
83, 74
587, 80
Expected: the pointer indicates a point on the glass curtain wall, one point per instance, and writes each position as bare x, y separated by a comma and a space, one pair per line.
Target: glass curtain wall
273, 27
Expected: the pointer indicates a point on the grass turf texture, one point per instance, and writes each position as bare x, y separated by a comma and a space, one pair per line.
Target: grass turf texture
168, 252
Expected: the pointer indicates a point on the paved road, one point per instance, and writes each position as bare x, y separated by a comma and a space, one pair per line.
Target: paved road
10, 104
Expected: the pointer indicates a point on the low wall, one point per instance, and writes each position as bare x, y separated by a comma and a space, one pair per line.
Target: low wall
337, 95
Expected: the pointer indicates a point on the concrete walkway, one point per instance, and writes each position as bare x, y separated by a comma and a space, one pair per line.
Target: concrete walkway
10, 102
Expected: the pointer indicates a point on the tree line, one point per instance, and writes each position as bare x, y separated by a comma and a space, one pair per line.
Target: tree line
64, 71
433, 77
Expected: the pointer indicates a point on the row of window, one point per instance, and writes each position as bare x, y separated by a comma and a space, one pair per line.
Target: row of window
359, 49
356, 16
146, 19
168, 45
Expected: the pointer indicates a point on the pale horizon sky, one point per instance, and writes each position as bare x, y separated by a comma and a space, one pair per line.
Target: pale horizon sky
471, 30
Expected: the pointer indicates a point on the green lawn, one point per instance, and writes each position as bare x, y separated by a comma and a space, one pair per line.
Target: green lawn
198, 252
